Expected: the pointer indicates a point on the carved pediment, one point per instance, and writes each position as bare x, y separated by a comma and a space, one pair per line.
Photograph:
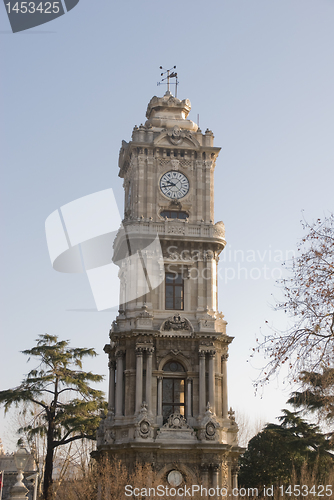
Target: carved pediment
177, 323
176, 428
176, 421
176, 137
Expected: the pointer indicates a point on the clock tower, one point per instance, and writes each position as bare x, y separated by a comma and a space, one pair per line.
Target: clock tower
168, 346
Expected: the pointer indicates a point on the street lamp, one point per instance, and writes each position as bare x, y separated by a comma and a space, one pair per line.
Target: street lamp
19, 491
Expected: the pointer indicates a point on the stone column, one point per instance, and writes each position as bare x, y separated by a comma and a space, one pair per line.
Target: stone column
189, 398
224, 373
159, 396
139, 378
234, 471
202, 403
111, 396
212, 379
205, 475
208, 282
119, 384
148, 392
215, 476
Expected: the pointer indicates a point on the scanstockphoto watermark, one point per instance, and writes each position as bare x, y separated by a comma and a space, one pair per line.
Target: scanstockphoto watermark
265, 264
80, 237
81, 234
190, 491
260, 264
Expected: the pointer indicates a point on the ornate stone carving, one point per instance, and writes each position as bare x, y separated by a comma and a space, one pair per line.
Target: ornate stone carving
176, 428
144, 313
143, 426
176, 323
175, 164
109, 436
175, 204
209, 426
219, 229
176, 135
176, 229
176, 421
166, 162
112, 364
231, 416
144, 320
210, 430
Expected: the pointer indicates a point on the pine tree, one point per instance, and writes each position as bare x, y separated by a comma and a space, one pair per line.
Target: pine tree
274, 453
317, 396
69, 406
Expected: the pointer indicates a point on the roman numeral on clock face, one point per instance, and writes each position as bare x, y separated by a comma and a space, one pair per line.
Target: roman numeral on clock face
174, 184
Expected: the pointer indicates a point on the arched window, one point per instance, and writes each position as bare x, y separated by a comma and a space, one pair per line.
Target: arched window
173, 389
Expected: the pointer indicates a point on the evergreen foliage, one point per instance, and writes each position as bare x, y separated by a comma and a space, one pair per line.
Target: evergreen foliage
280, 450
69, 407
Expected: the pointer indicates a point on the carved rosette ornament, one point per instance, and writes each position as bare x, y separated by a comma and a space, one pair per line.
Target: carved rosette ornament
210, 430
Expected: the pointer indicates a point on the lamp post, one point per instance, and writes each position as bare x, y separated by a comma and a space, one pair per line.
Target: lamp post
19, 491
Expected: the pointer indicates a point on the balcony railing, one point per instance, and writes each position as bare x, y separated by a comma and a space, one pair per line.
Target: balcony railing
175, 227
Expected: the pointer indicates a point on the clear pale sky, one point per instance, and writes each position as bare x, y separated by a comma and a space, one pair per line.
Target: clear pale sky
259, 73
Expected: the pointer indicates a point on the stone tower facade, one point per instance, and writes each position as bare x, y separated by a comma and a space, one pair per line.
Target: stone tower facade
168, 347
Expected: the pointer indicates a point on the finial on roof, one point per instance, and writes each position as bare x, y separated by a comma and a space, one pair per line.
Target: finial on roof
170, 74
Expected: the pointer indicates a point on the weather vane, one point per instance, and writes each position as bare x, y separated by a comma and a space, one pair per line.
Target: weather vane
170, 74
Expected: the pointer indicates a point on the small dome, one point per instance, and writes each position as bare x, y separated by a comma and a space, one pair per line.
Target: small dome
169, 111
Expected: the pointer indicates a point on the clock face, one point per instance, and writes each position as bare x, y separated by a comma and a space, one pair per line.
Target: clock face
174, 478
174, 184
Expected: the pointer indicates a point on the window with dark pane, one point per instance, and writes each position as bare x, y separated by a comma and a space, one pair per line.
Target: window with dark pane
174, 291
173, 393
173, 214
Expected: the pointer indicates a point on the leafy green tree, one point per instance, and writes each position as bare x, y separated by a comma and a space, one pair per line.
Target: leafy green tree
69, 406
274, 453
308, 344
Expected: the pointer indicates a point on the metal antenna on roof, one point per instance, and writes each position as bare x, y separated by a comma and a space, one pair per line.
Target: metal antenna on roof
170, 74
